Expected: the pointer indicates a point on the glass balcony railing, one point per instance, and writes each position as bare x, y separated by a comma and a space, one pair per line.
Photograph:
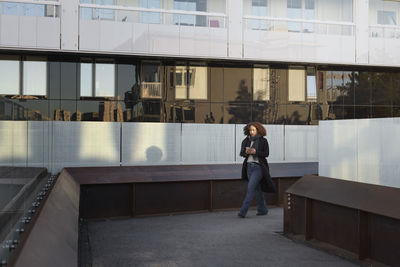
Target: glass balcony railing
298, 25
152, 16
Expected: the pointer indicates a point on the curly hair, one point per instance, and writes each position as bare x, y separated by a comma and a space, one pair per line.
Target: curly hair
260, 128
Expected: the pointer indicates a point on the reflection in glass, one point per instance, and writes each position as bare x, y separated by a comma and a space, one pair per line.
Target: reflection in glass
362, 112
86, 79
216, 75
9, 77
237, 84
34, 80
261, 84
237, 113
97, 111
198, 81
297, 84
127, 82
68, 82
105, 80
151, 86
302, 114
311, 85
63, 110
381, 112
362, 88
180, 82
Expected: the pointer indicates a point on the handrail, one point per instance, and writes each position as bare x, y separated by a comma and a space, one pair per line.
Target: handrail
55, 3
155, 10
299, 20
394, 27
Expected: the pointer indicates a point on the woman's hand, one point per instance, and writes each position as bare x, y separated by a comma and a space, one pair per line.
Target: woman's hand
250, 151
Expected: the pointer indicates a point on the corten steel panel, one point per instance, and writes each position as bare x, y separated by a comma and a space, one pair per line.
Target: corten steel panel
360, 196
105, 200
284, 184
157, 198
228, 194
171, 173
53, 240
296, 215
335, 225
385, 240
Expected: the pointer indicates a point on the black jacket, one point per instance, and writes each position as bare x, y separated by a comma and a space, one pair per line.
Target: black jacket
262, 153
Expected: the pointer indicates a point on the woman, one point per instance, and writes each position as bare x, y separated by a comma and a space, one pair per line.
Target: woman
255, 168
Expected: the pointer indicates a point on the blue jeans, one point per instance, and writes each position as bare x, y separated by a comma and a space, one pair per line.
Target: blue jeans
254, 173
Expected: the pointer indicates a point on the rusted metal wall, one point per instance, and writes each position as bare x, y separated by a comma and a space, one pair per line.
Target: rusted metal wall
361, 219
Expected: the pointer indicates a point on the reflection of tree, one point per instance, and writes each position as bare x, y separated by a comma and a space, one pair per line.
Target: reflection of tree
273, 107
240, 113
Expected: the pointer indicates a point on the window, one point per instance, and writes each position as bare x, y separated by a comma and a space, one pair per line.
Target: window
300, 9
9, 76
311, 85
185, 19
34, 76
297, 84
387, 17
103, 75
261, 84
34, 80
259, 8
150, 17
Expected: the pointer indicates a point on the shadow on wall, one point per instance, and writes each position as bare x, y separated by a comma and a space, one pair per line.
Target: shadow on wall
153, 155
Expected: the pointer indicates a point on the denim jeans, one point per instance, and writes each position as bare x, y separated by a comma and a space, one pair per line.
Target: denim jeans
254, 173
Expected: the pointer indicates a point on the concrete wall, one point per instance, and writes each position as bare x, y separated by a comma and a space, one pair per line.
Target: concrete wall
56, 144
366, 150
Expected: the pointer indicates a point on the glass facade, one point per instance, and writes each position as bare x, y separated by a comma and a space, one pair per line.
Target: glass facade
135, 89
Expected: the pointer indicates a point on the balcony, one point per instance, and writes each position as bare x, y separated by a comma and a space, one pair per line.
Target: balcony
155, 31
284, 39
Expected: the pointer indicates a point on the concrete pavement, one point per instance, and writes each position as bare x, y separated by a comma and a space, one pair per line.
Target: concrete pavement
203, 239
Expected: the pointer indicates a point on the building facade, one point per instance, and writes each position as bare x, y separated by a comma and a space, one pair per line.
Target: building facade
198, 61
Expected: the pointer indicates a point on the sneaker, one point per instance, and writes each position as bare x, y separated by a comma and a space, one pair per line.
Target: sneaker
240, 215
261, 213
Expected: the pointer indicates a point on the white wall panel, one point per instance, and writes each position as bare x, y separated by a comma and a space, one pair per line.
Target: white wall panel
89, 35
164, 39
275, 141
208, 143
202, 41
13, 143
27, 31
70, 24
85, 144
140, 38
218, 42
151, 143
9, 34
361, 30
384, 51
124, 36
301, 143
338, 149
186, 40
235, 15
366, 150
39, 144
48, 32
115, 36
390, 153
